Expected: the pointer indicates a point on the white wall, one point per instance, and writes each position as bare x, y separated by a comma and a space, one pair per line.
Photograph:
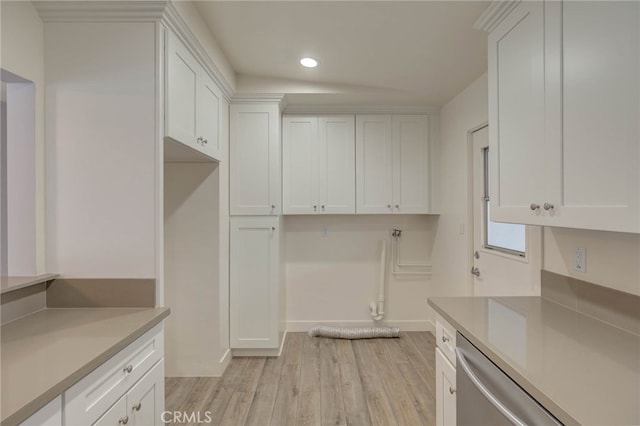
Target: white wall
451, 247
22, 53
333, 278
613, 258
101, 149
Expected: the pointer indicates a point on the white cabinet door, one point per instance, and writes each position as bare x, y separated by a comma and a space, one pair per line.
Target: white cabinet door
254, 159
254, 282
116, 415
410, 164
300, 165
145, 401
182, 86
49, 415
517, 115
593, 92
192, 106
208, 116
337, 178
374, 164
445, 391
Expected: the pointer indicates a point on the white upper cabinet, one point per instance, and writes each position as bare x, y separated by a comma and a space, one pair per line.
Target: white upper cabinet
254, 142
410, 164
318, 164
300, 165
392, 164
374, 164
564, 115
516, 115
192, 106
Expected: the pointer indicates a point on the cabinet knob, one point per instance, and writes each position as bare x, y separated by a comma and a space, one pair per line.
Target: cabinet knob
451, 390
204, 141
388, 206
123, 420
315, 208
397, 206
534, 206
128, 369
445, 339
548, 206
273, 206
137, 407
322, 207
273, 228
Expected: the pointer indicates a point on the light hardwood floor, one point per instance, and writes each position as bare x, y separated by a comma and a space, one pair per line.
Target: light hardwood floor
319, 381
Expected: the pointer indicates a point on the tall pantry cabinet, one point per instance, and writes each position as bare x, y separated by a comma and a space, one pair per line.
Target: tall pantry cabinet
564, 108
256, 293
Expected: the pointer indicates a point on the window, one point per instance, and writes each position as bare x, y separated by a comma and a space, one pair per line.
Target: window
506, 237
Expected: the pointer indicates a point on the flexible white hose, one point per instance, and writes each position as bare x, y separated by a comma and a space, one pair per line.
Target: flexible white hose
354, 333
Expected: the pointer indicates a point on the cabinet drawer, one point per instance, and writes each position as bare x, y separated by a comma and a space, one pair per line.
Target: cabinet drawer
92, 396
446, 339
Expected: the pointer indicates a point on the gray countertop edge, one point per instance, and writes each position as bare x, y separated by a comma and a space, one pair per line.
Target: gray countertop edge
60, 387
27, 282
525, 384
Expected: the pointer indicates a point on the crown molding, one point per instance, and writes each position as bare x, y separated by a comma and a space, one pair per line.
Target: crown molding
100, 11
494, 14
252, 98
359, 109
134, 11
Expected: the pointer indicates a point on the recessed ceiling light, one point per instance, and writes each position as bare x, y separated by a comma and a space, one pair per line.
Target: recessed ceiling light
309, 62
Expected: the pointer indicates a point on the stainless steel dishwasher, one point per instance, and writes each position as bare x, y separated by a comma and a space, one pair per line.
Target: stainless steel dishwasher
487, 396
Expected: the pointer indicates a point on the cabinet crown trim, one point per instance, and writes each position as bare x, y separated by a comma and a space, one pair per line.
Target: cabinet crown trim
259, 98
361, 109
494, 14
134, 11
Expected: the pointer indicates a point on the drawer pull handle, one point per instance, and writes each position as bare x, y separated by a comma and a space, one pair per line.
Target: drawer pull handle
445, 339
123, 420
451, 390
137, 407
128, 369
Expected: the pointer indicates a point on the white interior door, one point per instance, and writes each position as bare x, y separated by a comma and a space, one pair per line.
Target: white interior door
506, 257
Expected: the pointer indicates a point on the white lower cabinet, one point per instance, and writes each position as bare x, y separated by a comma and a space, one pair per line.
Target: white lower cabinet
255, 288
445, 373
142, 405
49, 415
126, 389
445, 391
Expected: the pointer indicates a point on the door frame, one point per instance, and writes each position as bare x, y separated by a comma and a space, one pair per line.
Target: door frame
471, 227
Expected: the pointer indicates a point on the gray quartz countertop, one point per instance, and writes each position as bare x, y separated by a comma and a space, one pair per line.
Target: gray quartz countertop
584, 371
45, 353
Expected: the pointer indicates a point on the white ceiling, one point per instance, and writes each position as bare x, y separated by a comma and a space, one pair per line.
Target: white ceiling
385, 52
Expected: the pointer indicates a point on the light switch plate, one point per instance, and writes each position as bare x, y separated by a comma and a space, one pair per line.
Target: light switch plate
580, 259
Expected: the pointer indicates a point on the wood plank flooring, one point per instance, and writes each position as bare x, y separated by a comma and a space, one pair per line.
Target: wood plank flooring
318, 381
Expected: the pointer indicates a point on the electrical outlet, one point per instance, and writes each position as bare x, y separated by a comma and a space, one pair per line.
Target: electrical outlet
580, 259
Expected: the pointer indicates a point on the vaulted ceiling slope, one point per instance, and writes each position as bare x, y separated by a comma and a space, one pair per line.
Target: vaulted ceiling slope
385, 52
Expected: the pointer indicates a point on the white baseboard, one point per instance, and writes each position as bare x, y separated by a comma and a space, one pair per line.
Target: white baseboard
404, 325
275, 352
225, 360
